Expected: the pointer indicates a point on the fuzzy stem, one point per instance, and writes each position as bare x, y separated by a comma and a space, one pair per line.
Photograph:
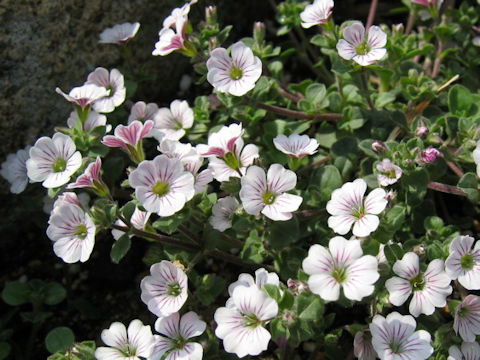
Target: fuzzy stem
221, 255
438, 60
410, 22
371, 14
288, 95
299, 114
449, 189
455, 169
363, 75
316, 163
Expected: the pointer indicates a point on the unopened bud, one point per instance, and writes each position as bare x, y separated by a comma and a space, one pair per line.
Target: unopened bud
390, 195
378, 147
419, 249
211, 15
428, 156
422, 131
397, 29
259, 32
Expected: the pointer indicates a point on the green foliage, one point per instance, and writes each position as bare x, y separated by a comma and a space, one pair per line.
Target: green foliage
59, 339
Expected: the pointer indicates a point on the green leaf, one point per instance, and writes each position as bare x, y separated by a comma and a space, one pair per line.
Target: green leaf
326, 179
433, 223
469, 185
459, 100
15, 293
170, 224
309, 307
35, 317
211, 286
287, 300
384, 98
393, 252
59, 339
395, 217
4, 350
283, 233
253, 249
273, 291
55, 293
120, 248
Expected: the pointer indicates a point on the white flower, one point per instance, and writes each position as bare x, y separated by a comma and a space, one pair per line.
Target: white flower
84, 96
133, 344
113, 82
362, 346
241, 322
139, 220
178, 14
72, 231
430, 289
341, 265
93, 121
389, 173
142, 112
262, 277
227, 156
53, 161
177, 332
348, 207
395, 338
316, 13
476, 152
119, 34
463, 263
469, 351
268, 194
162, 185
222, 213
364, 51
165, 291
14, 170
173, 122
467, 318
296, 145
236, 75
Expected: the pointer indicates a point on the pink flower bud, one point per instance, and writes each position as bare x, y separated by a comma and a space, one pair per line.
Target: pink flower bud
378, 147
259, 31
428, 156
422, 131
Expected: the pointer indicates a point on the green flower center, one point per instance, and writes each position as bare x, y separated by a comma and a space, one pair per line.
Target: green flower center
174, 289
363, 48
161, 188
463, 312
59, 165
391, 174
178, 125
396, 348
128, 350
111, 89
339, 274
232, 161
268, 197
467, 262
236, 73
359, 212
252, 321
179, 343
81, 231
418, 283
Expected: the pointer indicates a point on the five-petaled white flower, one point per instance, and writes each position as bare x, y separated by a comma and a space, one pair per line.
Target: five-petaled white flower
476, 157
177, 331
173, 121
142, 112
162, 185
237, 75
113, 82
395, 338
53, 160
348, 207
93, 121
295, 145
165, 291
134, 344
222, 213
262, 277
389, 173
72, 230
241, 322
316, 13
119, 34
267, 194
463, 263
342, 265
364, 49
227, 155
362, 346
84, 96
468, 351
467, 318
14, 170
430, 289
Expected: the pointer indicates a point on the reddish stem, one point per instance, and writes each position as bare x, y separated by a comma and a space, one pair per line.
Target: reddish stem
299, 114
449, 189
371, 13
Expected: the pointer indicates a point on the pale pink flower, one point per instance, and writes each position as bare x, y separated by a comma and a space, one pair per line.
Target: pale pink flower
425, 3
467, 318
129, 138
241, 323
178, 13
84, 96
162, 185
348, 208
463, 263
72, 231
362, 346
177, 332
142, 112
165, 291
113, 82
138, 220
316, 13
395, 338
268, 194
91, 179
430, 289
364, 49
222, 213
262, 277
468, 351
53, 160
295, 145
173, 121
119, 34
227, 155
93, 121
236, 75
476, 157
342, 265
133, 344
389, 173
14, 170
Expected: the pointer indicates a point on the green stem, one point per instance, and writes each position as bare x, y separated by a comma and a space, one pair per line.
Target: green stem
221, 255
363, 75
